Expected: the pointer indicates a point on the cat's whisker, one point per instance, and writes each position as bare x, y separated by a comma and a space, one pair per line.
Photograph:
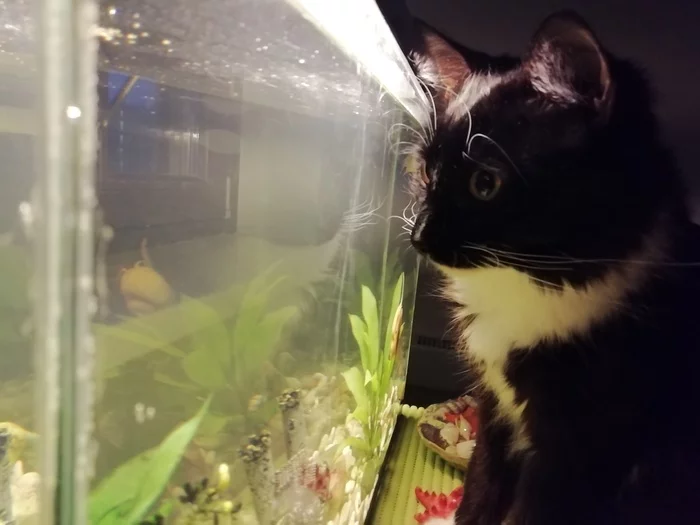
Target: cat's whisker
408, 147
397, 217
405, 225
404, 126
468, 157
507, 261
490, 254
432, 103
559, 259
405, 217
497, 145
412, 218
408, 220
360, 216
531, 258
423, 130
545, 283
469, 129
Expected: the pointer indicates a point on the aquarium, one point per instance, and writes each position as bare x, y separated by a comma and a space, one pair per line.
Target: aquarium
207, 289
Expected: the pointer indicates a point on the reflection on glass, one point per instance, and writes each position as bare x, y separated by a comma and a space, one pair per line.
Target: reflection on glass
19, 378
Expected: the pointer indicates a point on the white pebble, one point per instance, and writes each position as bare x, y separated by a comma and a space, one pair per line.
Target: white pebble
465, 449
465, 429
450, 434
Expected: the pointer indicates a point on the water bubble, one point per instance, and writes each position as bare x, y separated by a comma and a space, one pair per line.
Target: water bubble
26, 214
140, 412
73, 112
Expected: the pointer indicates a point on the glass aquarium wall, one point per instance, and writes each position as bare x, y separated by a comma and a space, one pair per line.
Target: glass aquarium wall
235, 285
29, 330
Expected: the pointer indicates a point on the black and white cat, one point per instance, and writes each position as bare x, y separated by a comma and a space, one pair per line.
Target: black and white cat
556, 215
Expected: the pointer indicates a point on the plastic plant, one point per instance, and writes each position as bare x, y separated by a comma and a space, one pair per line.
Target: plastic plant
226, 355
129, 492
365, 275
370, 385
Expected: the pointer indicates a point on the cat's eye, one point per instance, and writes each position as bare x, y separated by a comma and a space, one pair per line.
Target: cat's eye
484, 185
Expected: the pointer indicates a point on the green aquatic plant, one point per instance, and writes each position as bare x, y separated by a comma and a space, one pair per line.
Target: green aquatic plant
128, 493
370, 385
211, 350
366, 275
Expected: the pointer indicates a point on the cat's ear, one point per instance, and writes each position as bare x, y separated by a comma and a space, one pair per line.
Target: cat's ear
441, 67
567, 63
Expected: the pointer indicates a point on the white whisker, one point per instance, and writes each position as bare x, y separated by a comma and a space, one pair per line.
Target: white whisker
559, 259
409, 147
481, 135
402, 125
432, 102
362, 215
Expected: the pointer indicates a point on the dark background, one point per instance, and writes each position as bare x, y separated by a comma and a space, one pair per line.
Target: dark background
661, 36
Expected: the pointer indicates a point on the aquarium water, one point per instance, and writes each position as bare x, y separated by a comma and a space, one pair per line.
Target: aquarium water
205, 284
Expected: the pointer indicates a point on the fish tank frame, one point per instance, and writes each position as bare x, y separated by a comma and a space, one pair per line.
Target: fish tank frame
61, 46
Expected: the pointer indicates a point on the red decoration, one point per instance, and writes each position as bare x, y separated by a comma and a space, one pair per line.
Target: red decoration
438, 505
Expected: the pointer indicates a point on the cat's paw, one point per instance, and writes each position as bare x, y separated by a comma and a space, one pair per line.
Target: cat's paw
440, 509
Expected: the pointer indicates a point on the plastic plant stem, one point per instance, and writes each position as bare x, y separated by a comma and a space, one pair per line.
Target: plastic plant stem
294, 423
257, 459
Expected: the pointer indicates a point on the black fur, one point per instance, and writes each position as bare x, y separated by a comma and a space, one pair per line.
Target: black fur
611, 414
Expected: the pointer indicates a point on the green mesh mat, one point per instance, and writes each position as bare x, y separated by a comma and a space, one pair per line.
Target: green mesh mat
409, 464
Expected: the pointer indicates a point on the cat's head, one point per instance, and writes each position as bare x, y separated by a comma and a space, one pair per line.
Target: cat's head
532, 162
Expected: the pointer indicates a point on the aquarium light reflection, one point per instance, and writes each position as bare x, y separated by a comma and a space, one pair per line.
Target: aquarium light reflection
73, 112
358, 28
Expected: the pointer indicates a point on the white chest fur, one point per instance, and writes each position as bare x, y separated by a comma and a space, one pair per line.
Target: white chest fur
512, 311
